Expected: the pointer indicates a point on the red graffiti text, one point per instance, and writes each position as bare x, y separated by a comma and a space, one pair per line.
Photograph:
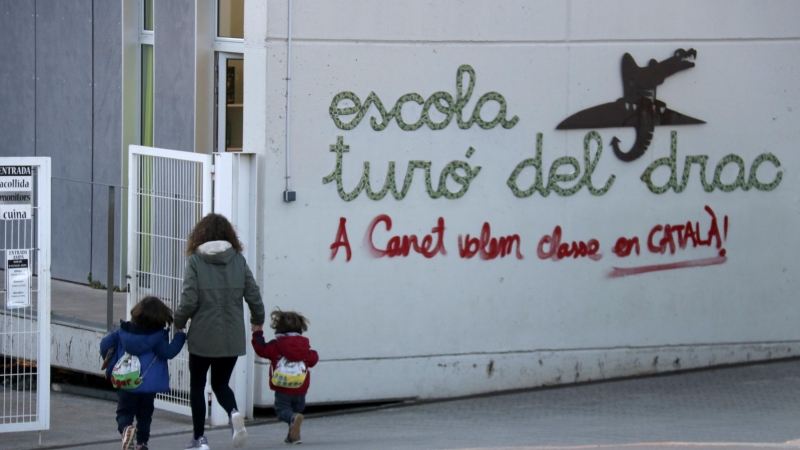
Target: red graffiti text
402, 245
488, 247
341, 240
625, 246
556, 250
671, 237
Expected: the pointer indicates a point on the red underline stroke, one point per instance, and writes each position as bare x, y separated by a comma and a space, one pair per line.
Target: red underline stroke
618, 272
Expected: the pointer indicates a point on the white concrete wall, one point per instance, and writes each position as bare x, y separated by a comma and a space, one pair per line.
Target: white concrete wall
72, 347
445, 326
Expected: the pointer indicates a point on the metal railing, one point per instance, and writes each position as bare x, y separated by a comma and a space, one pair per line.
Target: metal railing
110, 243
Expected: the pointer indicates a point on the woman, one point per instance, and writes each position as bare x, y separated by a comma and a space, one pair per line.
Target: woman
215, 280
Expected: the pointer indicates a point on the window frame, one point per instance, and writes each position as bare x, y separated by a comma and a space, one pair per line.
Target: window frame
146, 37
221, 110
222, 43
142, 19
229, 48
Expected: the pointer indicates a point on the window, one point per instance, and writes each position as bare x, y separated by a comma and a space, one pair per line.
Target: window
147, 95
229, 45
147, 18
230, 19
146, 61
230, 102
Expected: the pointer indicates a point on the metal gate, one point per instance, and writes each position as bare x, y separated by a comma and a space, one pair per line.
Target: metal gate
169, 192
25, 295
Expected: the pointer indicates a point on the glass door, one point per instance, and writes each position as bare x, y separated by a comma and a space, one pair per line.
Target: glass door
230, 101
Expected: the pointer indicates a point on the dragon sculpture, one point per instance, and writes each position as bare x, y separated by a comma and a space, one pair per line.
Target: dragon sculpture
638, 107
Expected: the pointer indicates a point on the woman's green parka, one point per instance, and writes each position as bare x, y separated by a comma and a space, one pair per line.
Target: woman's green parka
215, 280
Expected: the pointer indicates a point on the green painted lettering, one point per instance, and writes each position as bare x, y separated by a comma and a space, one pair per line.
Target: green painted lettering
442, 101
390, 185
702, 160
554, 177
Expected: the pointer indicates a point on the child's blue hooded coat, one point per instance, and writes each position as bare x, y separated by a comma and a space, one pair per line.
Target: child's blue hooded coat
145, 343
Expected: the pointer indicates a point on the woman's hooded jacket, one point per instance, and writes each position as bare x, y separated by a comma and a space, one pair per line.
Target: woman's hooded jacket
215, 280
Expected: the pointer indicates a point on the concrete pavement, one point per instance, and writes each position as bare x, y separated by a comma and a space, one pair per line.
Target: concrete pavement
81, 305
745, 407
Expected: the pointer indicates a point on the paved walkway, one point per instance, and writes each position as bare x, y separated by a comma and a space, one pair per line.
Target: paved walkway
744, 407
79, 304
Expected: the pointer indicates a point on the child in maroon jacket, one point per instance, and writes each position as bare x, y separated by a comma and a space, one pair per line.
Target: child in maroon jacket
285, 353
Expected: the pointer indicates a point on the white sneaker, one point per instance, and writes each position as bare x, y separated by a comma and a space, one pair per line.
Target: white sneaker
239, 434
200, 443
128, 436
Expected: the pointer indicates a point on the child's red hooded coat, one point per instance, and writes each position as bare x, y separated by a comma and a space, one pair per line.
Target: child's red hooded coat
293, 347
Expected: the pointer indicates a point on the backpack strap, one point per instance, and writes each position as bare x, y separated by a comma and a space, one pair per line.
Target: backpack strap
148, 367
272, 369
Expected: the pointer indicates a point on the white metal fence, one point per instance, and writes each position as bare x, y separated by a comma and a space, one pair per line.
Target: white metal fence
169, 192
25, 296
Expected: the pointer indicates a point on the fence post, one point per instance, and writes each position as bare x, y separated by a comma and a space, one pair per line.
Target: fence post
110, 273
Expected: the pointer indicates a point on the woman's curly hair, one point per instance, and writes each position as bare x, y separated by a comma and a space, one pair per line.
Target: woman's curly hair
213, 227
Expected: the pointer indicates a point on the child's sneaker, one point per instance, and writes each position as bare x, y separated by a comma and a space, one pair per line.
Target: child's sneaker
294, 429
200, 443
238, 433
289, 440
142, 447
128, 435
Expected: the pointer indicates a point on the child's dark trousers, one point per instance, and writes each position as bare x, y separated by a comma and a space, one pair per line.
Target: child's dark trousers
287, 405
140, 406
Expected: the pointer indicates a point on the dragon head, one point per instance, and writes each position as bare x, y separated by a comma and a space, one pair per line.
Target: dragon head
680, 60
645, 79
685, 57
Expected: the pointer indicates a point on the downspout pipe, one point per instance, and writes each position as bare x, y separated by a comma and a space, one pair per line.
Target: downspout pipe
288, 194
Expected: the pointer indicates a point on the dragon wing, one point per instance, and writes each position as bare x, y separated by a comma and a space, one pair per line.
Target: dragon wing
615, 115
670, 117
607, 115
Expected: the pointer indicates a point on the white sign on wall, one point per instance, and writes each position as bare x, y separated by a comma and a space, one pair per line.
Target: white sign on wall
18, 279
15, 192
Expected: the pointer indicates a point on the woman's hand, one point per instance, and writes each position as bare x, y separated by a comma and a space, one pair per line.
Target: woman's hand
255, 327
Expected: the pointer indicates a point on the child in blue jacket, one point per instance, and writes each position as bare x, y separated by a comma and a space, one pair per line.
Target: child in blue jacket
145, 337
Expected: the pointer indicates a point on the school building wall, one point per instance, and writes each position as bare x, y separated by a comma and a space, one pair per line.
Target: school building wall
410, 326
60, 96
174, 75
